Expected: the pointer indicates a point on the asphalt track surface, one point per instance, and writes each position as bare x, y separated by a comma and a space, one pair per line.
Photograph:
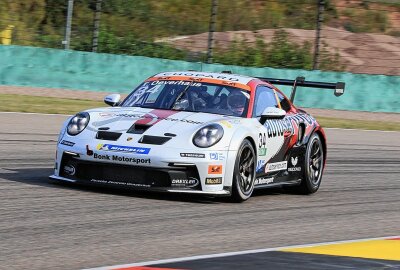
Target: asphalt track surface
51, 226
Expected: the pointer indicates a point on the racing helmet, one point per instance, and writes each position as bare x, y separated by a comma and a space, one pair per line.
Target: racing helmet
236, 102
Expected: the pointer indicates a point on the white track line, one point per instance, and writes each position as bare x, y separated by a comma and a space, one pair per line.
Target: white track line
227, 254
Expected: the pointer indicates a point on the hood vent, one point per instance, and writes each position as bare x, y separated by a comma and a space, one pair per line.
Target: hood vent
157, 140
108, 135
138, 129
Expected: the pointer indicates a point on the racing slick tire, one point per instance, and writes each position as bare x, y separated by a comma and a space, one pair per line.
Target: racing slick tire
313, 166
244, 172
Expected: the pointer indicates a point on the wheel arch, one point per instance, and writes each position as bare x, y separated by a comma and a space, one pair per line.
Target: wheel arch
322, 136
253, 143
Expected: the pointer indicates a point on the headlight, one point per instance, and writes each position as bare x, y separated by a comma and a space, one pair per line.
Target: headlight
208, 136
78, 123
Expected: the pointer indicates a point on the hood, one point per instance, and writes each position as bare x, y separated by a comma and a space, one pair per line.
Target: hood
150, 121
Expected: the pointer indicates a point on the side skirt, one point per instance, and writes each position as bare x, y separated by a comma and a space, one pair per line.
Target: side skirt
278, 184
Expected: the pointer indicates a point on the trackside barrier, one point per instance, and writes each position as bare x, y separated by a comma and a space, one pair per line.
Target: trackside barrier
53, 68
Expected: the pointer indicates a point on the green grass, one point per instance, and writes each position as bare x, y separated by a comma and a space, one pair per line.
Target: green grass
22, 103
358, 124
35, 104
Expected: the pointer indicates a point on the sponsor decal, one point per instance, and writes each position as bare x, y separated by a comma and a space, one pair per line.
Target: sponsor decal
105, 114
122, 148
191, 182
88, 151
286, 127
193, 155
197, 84
69, 169
121, 183
213, 180
217, 156
263, 181
277, 166
67, 143
150, 118
203, 75
122, 159
235, 121
262, 144
279, 127
260, 166
293, 161
226, 124
214, 169
262, 151
157, 118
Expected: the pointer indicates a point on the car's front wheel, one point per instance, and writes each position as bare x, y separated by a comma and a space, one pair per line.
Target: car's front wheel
244, 172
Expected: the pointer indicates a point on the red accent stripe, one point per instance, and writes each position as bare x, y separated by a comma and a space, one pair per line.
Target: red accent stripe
396, 238
146, 268
161, 114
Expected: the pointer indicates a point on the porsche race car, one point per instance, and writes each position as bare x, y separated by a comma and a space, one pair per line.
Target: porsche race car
217, 134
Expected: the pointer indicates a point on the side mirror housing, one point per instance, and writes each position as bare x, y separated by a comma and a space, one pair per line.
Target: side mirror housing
272, 113
112, 100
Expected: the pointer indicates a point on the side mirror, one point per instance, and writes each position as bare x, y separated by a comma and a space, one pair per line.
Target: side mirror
112, 99
272, 113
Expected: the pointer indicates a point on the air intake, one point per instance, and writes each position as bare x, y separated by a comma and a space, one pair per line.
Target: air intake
138, 129
108, 135
157, 140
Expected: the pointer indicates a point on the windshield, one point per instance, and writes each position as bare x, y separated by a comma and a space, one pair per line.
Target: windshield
190, 96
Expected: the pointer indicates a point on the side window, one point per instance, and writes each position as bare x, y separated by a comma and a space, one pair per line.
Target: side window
265, 97
285, 105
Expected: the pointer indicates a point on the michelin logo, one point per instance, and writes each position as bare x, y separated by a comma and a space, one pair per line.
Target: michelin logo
122, 148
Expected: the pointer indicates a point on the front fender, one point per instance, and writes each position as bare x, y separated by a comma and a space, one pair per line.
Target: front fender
244, 131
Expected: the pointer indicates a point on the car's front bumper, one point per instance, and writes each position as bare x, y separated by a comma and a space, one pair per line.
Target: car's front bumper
168, 171
220, 193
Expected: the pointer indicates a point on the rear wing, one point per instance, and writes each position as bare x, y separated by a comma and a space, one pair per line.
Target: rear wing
300, 81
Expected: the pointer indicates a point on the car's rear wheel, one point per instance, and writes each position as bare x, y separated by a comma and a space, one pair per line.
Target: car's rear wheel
313, 167
244, 172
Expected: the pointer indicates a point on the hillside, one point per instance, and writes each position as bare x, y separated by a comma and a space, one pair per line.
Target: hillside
141, 27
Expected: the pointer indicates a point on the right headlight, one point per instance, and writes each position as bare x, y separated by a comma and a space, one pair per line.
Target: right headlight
78, 123
208, 136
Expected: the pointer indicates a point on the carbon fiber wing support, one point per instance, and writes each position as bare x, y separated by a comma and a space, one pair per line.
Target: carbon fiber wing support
300, 81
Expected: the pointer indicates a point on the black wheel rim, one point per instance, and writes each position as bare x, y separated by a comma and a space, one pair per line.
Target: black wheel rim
246, 170
315, 162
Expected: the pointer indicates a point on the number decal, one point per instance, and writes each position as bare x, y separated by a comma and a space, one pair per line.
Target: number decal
262, 144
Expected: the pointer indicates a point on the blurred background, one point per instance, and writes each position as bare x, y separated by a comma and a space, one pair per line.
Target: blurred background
336, 35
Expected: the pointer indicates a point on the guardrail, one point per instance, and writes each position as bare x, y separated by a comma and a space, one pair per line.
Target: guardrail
52, 68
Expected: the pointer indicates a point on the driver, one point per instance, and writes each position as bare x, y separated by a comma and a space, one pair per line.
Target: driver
236, 102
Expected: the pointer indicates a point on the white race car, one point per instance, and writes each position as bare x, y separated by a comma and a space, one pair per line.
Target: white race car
217, 134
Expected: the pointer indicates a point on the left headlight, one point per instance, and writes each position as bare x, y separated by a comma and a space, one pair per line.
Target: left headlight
208, 136
78, 123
